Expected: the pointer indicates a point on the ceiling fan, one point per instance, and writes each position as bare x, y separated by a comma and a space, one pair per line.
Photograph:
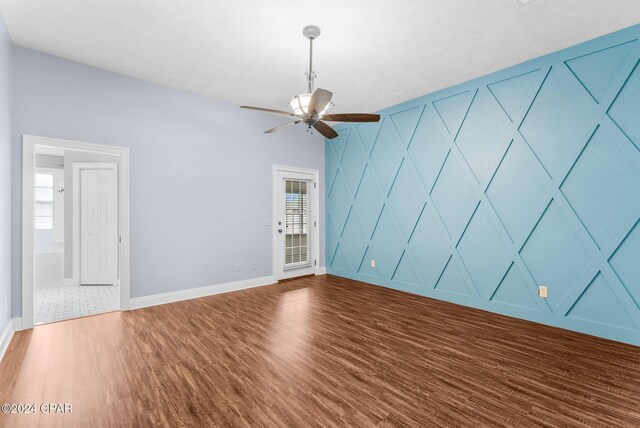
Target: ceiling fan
311, 107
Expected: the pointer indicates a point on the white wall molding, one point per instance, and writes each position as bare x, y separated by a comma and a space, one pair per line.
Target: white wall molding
14, 324
194, 293
322, 270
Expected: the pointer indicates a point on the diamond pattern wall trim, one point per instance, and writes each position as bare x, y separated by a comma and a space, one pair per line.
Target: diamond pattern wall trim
479, 193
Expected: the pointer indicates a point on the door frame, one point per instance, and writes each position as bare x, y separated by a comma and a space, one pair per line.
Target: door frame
77, 167
29, 143
315, 214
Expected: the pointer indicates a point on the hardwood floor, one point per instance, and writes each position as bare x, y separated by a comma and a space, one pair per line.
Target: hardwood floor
318, 351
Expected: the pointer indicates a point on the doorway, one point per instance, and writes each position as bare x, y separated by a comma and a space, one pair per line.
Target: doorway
295, 214
75, 230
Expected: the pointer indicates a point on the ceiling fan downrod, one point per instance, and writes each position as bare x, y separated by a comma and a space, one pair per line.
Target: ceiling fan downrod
311, 32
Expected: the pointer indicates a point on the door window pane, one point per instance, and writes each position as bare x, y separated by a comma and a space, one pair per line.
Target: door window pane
44, 223
296, 216
44, 210
44, 202
43, 194
44, 180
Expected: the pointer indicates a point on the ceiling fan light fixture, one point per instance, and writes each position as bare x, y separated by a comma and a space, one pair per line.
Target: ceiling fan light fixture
311, 107
300, 105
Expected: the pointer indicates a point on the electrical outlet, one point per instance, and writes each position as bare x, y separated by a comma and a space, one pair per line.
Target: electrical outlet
373, 263
253, 265
238, 267
542, 291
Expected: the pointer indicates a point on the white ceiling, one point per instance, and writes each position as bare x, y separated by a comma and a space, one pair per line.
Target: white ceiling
371, 54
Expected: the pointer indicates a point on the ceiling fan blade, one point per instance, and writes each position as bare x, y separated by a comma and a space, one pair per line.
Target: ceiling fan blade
277, 128
319, 100
325, 129
351, 117
269, 110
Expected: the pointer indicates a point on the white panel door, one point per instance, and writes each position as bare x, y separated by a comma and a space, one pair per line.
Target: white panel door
98, 226
89, 226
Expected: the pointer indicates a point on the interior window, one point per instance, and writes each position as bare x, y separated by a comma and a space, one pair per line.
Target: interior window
44, 201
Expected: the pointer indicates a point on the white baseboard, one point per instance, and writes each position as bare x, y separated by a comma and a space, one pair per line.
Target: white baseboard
194, 293
70, 282
322, 270
14, 324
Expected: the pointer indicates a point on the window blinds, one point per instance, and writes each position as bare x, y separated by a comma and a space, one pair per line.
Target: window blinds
296, 216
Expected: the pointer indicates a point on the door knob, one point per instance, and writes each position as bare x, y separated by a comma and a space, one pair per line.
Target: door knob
279, 230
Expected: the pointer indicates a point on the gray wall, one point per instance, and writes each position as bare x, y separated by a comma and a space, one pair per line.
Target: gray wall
71, 157
200, 169
5, 177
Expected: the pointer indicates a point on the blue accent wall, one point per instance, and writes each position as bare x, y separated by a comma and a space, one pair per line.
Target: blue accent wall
478, 193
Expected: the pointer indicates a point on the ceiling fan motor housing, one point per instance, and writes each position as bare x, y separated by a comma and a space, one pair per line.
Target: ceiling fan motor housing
311, 32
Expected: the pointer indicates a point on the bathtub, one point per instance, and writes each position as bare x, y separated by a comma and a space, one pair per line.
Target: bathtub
49, 265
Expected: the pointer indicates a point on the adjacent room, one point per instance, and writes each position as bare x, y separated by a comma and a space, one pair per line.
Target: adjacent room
296, 214
73, 282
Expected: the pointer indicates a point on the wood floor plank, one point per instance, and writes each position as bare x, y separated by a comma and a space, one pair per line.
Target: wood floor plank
318, 351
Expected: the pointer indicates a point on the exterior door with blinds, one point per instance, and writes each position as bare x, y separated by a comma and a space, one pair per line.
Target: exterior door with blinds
294, 224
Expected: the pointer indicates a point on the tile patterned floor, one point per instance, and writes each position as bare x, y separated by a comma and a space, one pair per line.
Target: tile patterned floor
56, 302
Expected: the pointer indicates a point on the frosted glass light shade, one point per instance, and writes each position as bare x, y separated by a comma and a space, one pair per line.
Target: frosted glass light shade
300, 105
